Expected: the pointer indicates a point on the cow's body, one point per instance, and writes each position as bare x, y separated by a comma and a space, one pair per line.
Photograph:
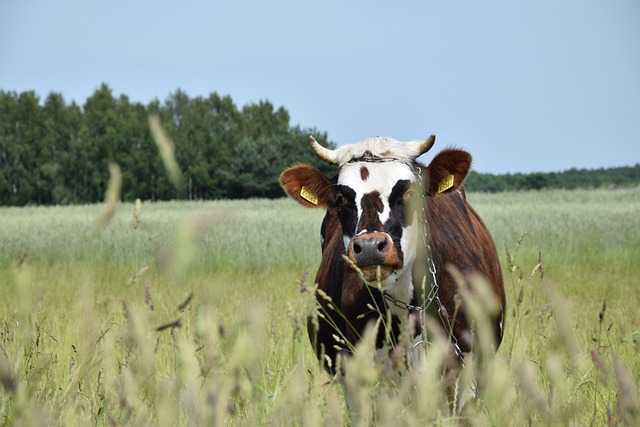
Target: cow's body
375, 211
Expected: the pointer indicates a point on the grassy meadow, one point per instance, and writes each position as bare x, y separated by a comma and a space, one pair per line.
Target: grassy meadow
182, 313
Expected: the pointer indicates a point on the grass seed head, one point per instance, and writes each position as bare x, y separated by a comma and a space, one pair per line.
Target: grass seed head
627, 406
111, 196
137, 214
167, 149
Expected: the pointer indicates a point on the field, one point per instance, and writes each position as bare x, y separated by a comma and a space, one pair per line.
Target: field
192, 314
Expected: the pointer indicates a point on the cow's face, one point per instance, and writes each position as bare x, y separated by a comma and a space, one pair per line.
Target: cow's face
377, 197
373, 200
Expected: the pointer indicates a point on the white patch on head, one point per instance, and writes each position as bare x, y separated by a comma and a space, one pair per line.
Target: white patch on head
382, 175
382, 178
381, 147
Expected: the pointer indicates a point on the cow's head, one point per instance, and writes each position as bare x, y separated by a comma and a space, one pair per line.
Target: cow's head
378, 197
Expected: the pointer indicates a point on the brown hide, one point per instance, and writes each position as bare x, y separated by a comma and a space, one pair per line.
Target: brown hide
346, 291
457, 236
328, 278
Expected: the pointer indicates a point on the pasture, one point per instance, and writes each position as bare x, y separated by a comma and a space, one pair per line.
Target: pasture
194, 313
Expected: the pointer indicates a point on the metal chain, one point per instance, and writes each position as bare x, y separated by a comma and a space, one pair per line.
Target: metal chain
401, 304
433, 292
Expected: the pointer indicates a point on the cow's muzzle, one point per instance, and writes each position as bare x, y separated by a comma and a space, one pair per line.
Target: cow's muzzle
370, 250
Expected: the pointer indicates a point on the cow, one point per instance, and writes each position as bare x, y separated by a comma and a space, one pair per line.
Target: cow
399, 223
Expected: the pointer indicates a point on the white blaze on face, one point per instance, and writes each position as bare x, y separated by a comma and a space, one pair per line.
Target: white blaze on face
381, 177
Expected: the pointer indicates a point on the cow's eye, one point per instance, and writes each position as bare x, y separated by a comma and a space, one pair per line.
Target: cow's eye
343, 197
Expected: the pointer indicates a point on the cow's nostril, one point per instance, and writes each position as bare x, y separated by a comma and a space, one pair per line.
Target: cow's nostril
382, 246
357, 248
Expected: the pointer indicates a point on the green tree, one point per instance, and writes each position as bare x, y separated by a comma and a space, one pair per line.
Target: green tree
8, 148
268, 145
21, 132
204, 137
61, 125
135, 151
175, 119
102, 141
224, 129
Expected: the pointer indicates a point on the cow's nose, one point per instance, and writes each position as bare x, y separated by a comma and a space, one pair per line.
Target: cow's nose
369, 249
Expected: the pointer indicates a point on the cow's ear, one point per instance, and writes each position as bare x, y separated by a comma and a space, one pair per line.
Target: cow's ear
447, 171
307, 185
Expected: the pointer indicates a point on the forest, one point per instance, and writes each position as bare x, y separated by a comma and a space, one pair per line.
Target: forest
54, 152
625, 176
57, 152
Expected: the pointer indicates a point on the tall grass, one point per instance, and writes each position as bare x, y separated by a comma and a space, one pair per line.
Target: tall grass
191, 314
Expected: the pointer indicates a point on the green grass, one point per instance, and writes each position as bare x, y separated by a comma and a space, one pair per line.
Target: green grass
228, 235
81, 308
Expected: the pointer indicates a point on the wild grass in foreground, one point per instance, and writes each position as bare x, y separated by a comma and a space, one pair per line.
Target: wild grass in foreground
179, 318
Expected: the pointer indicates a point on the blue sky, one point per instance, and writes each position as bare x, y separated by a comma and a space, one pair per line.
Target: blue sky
523, 85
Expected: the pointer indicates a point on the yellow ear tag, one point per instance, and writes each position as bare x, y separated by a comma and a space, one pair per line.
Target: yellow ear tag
308, 195
446, 184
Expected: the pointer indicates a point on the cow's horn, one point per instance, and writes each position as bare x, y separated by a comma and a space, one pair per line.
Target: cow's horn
323, 153
421, 146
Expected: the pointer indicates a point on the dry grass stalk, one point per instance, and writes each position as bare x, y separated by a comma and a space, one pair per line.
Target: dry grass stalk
111, 196
137, 213
167, 149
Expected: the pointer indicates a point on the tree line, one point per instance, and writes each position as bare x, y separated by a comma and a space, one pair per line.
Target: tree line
570, 179
55, 152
